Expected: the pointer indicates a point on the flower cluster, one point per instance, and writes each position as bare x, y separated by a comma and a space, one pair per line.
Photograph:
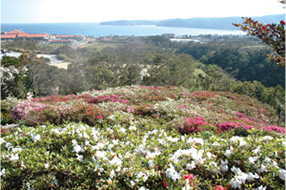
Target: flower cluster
192, 125
20, 111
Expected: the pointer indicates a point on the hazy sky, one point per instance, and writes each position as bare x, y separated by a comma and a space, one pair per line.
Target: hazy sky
52, 11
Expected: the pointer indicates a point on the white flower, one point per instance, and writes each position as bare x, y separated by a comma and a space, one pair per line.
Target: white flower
132, 183
79, 157
256, 150
171, 173
187, 186
14, 150
56, 131
47, 165
127, 155
228, 153
87, 143
191, 165
132, 128
262, 169
151, 163
37, 137
99, 146
2, 173
261, 188
14, 157
242, 177
224, 166
196, 140
215, 143
267, 138
122, 130
112, 117
74, 142
252, 159
235, 183
2, 140
8, 145
282, 174
55, 181
100, 154
112, 174
209, 155
235, 170
144, 176
252, 177
77, 149
240, 139
171, 139
151, 155
142, 188
115, 142
116, 161
110, 146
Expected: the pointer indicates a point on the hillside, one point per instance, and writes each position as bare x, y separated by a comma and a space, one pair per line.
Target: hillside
143, 137
205, 23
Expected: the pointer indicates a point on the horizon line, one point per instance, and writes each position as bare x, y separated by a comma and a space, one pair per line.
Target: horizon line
82, 22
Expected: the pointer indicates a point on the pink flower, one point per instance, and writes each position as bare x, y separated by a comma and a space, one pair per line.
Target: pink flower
219, 188
99, 117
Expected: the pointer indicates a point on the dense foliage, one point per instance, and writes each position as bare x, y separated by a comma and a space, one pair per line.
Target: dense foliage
144, 137
271, 34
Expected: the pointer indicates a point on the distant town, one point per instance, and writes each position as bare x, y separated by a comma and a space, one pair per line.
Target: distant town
44, 37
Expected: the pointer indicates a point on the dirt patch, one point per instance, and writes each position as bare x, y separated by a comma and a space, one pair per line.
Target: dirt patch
63, 65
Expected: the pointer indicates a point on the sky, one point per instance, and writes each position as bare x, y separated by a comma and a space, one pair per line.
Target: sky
67, 11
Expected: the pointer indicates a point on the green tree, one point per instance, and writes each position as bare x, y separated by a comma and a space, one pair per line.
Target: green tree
271, 34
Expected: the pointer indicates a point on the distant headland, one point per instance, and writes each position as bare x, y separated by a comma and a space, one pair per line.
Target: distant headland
224, 23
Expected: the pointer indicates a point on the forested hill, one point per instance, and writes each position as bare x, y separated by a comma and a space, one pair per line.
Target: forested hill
206, 23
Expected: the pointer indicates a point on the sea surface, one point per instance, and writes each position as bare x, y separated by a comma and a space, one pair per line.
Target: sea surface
96, 30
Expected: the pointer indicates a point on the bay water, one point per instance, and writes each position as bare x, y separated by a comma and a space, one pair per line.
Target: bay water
97, 30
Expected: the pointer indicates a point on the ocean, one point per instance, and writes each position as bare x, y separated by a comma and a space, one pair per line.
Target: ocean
96, 30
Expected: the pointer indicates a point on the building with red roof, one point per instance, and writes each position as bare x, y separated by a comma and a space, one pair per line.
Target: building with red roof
16, 32
8, 36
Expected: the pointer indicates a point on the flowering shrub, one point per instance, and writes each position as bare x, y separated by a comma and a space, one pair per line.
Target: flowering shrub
58, 114
56, 98
106, 98
222, 109
20, 111
192, 125
77, 156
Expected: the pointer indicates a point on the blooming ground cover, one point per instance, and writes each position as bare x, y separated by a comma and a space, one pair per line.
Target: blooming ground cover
139, 137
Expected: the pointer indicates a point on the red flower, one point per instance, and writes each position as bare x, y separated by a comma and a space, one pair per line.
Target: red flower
282, 22
189, 177
165, 183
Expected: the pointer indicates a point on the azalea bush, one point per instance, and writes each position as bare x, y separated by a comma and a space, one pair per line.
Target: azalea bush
78, 156
159, 105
